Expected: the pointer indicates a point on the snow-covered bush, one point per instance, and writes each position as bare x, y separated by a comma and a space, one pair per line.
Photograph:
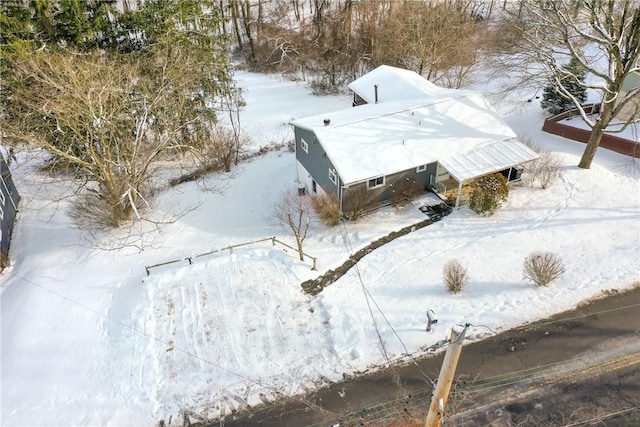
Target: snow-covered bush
542, 268
327, 209
455, 276
488, 194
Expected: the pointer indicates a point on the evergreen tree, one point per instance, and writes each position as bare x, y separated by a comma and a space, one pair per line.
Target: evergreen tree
573, 80
488, 194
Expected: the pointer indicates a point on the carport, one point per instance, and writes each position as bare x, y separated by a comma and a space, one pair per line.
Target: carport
487, 159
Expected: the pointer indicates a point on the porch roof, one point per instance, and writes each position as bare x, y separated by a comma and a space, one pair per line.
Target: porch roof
488, 158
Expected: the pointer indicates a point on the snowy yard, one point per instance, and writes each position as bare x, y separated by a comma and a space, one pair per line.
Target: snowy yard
89, 339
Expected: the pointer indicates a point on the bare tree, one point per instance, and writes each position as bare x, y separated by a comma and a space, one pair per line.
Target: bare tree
107, 121
438, 39
294, 211
603, 36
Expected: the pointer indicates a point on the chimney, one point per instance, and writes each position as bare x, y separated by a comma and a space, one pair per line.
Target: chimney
375, 90
327, 122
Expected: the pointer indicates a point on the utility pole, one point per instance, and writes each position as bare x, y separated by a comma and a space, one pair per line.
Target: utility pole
447, 371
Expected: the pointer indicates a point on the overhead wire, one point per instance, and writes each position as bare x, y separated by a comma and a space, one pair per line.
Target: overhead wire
145, 334
347, 241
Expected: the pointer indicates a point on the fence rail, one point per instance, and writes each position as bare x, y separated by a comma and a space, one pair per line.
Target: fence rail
230, 248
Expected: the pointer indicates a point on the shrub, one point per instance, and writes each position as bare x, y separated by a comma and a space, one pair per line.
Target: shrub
488, 194
549, 169
357, 202
404, 190
327, 208
542, 268
455, 276
545, 168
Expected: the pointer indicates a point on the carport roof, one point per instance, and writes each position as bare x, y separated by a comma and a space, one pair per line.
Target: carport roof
488, 158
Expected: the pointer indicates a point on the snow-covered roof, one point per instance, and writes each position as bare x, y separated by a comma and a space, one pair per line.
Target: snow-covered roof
380, 139
394, 84
488, 158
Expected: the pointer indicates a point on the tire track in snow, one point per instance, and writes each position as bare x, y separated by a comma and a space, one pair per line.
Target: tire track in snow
245, 313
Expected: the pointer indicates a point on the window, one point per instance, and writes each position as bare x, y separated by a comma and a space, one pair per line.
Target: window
421, 168
333, 177
375, 182
304, 145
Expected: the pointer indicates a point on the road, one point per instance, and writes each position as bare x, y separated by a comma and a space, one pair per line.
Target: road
579, 365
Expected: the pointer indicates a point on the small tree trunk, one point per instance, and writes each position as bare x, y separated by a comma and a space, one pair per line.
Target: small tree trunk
300, 253
592, 145
236, 25
603, 120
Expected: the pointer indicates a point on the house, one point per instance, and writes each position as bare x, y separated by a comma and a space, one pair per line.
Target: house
9, 199
404, 135
629, 112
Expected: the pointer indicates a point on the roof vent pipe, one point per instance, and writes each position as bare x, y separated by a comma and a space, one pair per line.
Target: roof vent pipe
327, 122
375, 90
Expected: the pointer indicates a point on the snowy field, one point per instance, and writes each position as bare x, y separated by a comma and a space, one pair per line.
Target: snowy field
89, 339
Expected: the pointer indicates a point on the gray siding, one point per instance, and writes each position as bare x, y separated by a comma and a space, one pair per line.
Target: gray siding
396, 186
315, 161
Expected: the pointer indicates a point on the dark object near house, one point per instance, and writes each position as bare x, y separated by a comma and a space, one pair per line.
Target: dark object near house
9, 199
436, 212
512, 174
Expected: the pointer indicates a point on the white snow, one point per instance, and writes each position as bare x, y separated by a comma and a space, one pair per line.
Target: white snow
394, 84
89, 339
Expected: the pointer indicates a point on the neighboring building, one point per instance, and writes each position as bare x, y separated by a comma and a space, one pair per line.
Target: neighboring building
404, 135
629, 111
9, 199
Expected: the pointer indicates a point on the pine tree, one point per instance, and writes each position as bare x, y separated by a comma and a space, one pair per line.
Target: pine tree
488, 194
573, 76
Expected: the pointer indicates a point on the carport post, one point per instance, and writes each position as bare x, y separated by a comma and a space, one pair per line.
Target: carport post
458, 195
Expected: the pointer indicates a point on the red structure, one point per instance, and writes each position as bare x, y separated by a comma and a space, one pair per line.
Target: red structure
611, 142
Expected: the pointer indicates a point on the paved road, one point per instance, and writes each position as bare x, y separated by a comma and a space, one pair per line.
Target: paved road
563, 361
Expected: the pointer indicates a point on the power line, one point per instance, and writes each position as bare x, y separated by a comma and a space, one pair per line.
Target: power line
345, 238
580, 316
347, 242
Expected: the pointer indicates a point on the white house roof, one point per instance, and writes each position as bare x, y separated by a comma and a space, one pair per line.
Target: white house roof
380, 139
394, 84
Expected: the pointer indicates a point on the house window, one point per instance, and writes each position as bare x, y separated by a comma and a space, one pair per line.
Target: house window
375, 182
421, 168
304, 145
333, 177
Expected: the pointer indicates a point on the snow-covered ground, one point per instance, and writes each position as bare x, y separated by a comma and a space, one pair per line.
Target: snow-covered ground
89, 339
